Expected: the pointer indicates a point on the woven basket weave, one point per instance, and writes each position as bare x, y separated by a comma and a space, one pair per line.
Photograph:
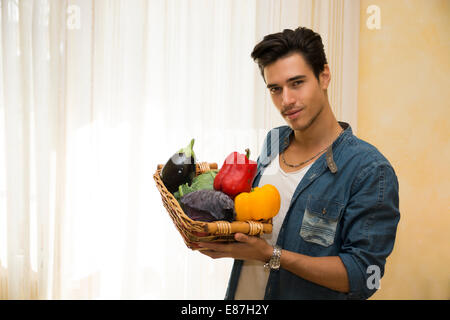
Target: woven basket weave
196, 231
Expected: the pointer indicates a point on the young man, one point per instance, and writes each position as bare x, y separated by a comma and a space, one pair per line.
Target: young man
339, 213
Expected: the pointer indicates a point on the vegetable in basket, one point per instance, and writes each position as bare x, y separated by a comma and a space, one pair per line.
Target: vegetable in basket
208, 206
201, 182
236, 175
180, 168
262, 203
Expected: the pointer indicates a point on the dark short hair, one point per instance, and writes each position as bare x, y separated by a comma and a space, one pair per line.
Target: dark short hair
301, 40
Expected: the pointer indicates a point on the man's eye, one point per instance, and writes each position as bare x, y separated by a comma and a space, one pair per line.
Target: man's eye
297, 83
274, 90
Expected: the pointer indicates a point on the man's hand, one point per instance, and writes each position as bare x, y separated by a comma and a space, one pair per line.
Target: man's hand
329, 271
246, 248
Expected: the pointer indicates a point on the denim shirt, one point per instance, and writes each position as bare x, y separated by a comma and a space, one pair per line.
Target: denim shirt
346, 205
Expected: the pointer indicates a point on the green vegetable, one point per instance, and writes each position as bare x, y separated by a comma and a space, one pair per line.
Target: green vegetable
204, 181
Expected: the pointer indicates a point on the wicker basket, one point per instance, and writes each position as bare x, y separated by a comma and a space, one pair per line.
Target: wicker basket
196, 231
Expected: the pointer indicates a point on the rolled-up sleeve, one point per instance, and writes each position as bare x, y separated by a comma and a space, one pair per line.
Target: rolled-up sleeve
369, 228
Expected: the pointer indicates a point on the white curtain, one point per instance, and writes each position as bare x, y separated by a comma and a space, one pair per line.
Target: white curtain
95, 94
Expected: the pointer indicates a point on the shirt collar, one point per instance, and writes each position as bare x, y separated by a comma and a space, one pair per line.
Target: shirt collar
287, 134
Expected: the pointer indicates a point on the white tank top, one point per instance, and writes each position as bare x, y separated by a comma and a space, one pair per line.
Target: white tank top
253, 278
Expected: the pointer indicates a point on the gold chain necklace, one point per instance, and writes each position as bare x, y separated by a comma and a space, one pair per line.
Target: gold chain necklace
306, 161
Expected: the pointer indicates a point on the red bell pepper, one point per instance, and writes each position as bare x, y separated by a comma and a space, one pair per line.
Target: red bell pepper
236, 175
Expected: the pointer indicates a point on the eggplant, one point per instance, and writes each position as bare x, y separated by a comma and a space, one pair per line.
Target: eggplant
180, 168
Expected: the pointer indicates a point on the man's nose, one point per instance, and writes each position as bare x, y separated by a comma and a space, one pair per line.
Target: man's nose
287, 97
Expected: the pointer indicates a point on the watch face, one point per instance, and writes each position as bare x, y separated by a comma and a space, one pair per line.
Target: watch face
275, 264
275, 260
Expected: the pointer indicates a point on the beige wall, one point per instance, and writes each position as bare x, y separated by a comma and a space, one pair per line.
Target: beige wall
404, 110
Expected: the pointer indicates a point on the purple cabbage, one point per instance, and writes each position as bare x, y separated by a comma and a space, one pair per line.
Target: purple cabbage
208, 205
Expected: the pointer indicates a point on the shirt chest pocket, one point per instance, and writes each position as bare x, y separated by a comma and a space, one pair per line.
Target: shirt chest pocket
320, 221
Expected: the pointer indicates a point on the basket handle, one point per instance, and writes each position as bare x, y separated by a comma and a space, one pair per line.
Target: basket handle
202, 165
248, 227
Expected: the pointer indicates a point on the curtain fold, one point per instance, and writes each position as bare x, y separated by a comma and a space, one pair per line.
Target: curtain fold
95, 94
16, 94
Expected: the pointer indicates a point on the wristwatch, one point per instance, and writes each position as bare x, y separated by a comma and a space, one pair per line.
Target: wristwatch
274, 262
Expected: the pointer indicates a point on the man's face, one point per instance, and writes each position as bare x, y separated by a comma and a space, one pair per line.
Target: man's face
295, 91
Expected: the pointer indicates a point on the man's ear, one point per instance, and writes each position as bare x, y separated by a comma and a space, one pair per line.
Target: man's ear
325, 77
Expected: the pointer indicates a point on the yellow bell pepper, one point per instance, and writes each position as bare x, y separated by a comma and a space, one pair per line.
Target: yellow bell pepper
261, 203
